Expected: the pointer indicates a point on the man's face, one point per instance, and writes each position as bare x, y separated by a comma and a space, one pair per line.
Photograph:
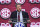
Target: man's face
19, 7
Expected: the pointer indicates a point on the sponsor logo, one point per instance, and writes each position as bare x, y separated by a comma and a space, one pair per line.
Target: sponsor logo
19, 24
20, 1
34, 1
35, 12
5, 13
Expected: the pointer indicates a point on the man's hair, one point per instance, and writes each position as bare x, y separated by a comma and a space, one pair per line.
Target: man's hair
17, 4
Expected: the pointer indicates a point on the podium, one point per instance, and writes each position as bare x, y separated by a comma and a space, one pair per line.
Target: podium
15, 20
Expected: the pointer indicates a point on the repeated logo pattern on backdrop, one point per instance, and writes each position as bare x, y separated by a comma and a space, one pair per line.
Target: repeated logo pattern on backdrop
20, 1
5, 13
35, 24
35, 12
5, 25
5, 1
34, 1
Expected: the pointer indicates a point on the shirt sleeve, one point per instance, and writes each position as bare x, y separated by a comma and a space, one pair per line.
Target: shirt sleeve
27, 16
12, 16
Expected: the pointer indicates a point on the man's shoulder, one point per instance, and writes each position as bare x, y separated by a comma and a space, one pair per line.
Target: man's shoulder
14, 11
24, 11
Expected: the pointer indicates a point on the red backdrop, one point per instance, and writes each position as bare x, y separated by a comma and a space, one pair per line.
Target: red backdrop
27, 6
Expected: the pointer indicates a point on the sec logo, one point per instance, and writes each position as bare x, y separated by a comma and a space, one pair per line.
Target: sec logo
2, 1
20, 1
35, 12
5, 13
19, 24
8, 1
34, 1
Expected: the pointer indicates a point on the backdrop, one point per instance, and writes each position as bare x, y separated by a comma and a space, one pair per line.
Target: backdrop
27, 6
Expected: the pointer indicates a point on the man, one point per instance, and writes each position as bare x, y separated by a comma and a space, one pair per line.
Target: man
20, 15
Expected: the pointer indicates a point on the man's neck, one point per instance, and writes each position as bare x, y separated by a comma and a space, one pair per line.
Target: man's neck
19, 11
